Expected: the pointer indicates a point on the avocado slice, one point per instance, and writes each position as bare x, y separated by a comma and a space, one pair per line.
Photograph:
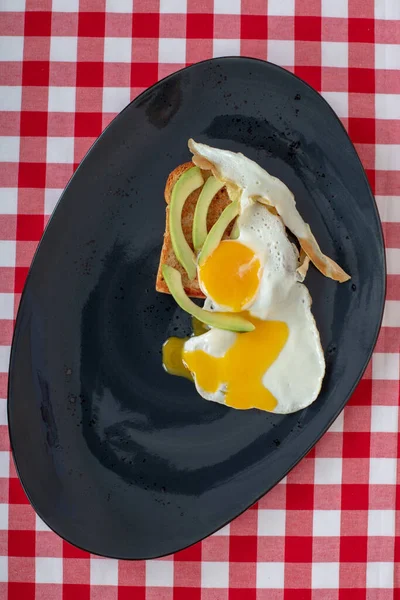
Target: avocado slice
189, 181
217, 231
211, 187
220, 320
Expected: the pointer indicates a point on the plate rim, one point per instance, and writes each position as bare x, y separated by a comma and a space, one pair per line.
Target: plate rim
11, 366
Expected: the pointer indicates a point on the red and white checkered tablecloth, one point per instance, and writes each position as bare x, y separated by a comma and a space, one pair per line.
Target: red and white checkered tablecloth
331, 529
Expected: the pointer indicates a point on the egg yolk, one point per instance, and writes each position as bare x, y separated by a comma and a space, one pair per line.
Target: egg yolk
243, 366
173, 348
230, 275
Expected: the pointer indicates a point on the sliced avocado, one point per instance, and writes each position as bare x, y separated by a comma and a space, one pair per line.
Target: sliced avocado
189, 181
211, 187
220, 320
217, 231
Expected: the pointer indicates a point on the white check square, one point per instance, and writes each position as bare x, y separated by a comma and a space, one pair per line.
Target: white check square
4, 364
225, 530
281, 52
384, 418
328, 471
12, 5
325, 576
334, 8
270, 575
387, 9
11, 48
3, 517
227, 7
65, 5
387, 157
172, 50
387, 56
49, 570
119, 6
118, 50
173, 6
386, 365
62, 99
41, 525
63, 48
393, 259
391, 316
3, 569
3, 412
339, 101
387, 106
7, 253
9, 148
281, 8
382, 471
115, 98
271, 522
8, 201
60, 150
326, 523
214, 574
334, 54
337, 425
10, 97
226, 47
51, 197
381, 522
380, 575
6, 306
389, 208
159, 573
103, 571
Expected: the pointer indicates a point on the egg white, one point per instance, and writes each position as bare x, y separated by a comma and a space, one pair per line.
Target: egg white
296, 375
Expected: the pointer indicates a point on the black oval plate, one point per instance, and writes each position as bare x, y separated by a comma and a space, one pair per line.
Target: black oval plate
115, 455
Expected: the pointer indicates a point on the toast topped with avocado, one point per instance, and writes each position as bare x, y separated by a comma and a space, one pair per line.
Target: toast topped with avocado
168, 257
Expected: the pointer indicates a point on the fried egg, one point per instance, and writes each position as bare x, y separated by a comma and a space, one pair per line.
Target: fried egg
279, 366
258, 272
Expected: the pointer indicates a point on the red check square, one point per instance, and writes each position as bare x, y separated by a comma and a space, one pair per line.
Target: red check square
88, 124
32, 175
91, 24
361, 30
243, 548
21, 591
144, 74
361, 80
89, 74
145, 25
33, 123
35, 72
199, 26
298, 549
30, 227
353, 549
21, 543
307, 29
76, 591
37, 23
299, 496
254, 27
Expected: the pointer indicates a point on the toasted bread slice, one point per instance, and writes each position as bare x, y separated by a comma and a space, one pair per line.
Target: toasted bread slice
220, 201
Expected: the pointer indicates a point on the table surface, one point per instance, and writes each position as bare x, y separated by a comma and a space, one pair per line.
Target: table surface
331, 529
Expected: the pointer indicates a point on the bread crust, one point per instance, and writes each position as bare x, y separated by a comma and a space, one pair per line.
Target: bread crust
167, 257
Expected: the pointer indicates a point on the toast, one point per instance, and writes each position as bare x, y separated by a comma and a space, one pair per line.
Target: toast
219, 202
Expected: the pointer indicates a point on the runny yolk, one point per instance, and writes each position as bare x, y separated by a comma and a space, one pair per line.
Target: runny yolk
230, 275
243, 365
173, 348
